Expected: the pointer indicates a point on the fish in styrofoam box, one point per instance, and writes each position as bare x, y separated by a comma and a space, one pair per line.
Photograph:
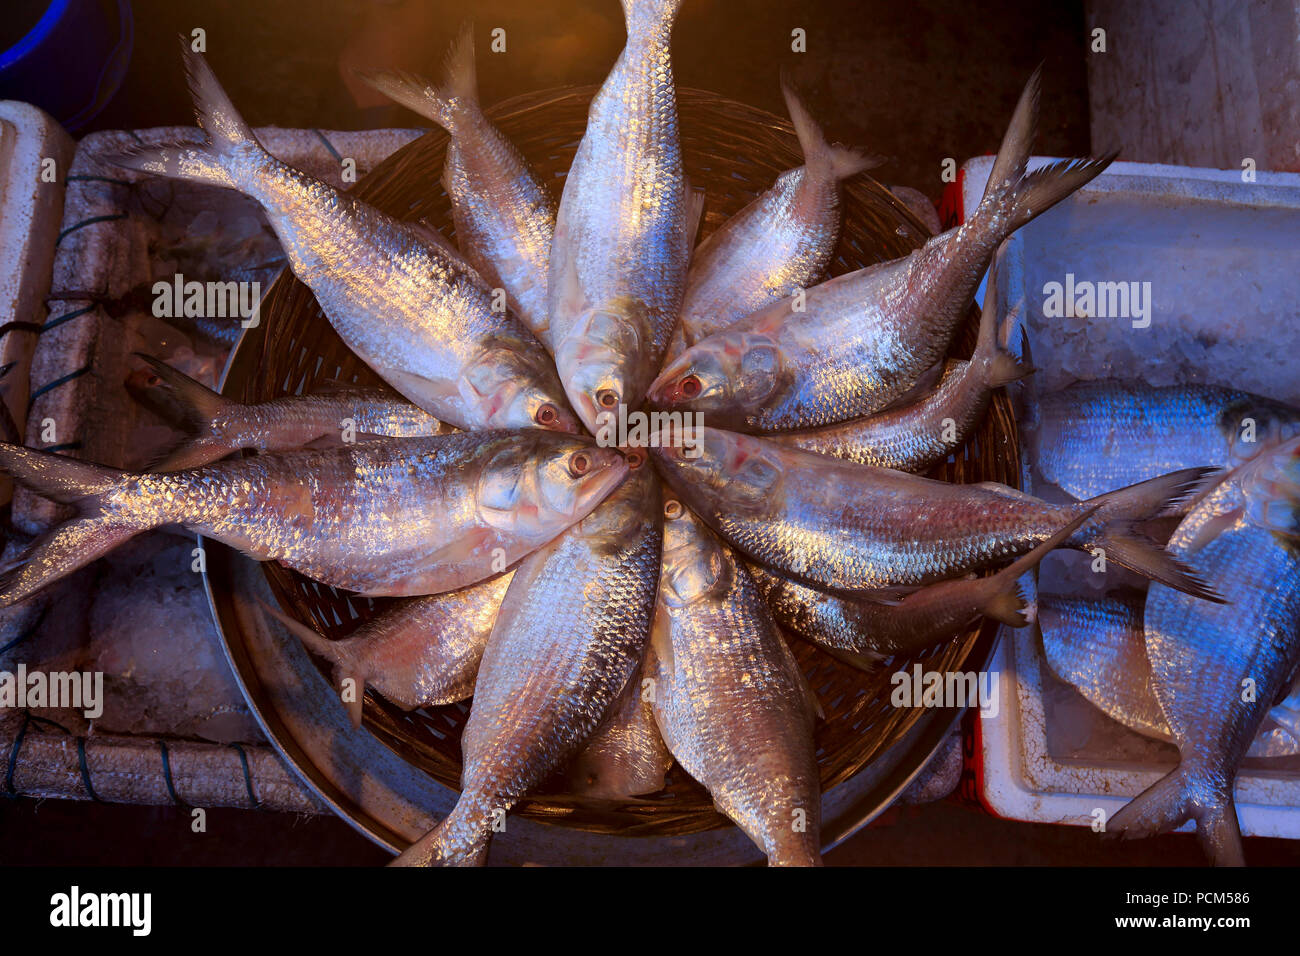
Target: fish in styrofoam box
1162, 276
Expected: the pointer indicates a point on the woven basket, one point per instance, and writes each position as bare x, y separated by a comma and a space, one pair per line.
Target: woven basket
733, 152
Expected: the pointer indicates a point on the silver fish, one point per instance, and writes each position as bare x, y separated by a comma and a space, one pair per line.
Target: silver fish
856, 343
417, 315
619, 258
570, 634
863, 632
222, 426
729, 698
1095, 436
503, 212
779, 243
1217, 669
626, 756
1098, 646
419, 653
836, 524
398, 517
915, 436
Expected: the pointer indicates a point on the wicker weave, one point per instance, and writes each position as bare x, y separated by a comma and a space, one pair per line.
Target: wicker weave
733, 152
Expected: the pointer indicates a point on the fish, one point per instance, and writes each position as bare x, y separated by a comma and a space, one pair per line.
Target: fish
853, 345
626, 756
400, 517
729, 697
1094, 436
920, 434
416, 313
221, 426
1217, 669
1098, 646
864, 633
622, 234
839, 525
571, 632
779, 243
422, 652
503, 212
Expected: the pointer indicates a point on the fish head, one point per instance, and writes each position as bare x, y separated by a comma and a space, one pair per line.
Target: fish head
694, 565
603, 358
537, 484
1270, 484
1249, 425
512, 388
730, 375
721, 471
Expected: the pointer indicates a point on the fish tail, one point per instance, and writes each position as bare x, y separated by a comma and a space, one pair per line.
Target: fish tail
649, 14
1168, 803
231, 143
1003, 600
1120, 542
999, 366
73, 544
450, 843
437, 103
198, 406
343, 654
1014, 194
839, 162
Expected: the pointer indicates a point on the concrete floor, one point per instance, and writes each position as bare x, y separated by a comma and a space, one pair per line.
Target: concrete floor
917, 82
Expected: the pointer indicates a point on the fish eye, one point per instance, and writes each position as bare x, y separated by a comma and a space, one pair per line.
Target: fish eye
607, 398
153, 380
691, 386
635, 458
547, 414
673, 509
579, 464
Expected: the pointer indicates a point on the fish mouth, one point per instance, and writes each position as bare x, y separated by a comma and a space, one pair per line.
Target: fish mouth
611, 469
665, 390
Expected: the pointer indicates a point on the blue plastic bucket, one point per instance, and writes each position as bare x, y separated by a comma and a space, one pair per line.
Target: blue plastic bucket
72, 61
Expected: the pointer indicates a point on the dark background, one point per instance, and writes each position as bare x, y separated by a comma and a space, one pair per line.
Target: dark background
915, 81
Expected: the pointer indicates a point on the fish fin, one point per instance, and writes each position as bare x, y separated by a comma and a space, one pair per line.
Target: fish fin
1152, 497
792, 664
1004, 601
999, 366
437, 103
192, 453
67, 548
231, 143
434, 849
1125, 547
57, 477
198, 403
342, 654
818, 155
1029, 195
1168, 803
694, 214
1213, 528
1018, 140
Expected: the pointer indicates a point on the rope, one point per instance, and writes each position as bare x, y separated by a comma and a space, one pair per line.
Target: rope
255, 803
85, 770
167, 775
328, 145
86, 222
50, 386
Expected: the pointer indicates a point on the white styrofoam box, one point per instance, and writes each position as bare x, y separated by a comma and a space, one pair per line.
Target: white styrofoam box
1222, 257
34, 156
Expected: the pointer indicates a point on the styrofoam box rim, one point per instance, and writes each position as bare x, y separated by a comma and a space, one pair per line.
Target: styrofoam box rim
1052, 792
